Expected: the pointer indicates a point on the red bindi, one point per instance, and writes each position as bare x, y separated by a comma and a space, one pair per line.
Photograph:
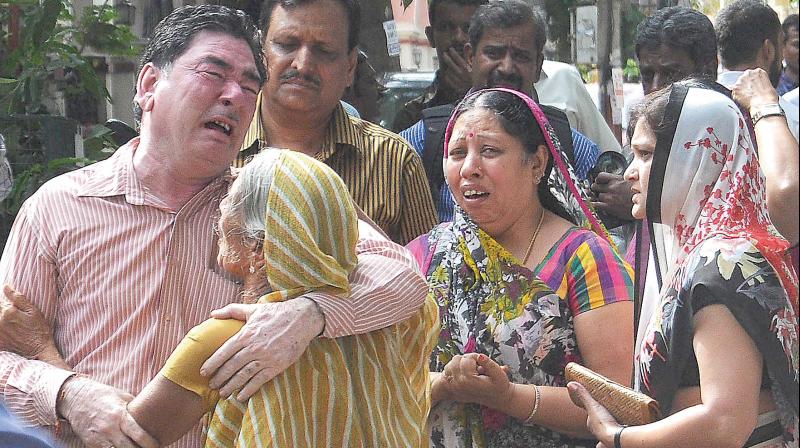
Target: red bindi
471, 134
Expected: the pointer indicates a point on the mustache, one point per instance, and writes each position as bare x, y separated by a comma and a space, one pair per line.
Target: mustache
496, 78
295, 74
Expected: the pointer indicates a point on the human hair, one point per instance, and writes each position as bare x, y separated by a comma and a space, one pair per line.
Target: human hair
174, 34
516, 119
352, 10
653, 107
432, 4
652, 110
247, 198
681, 28
791, 21
742, 28
505, 14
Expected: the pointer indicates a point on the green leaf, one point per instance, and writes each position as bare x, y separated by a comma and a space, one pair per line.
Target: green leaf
8, 80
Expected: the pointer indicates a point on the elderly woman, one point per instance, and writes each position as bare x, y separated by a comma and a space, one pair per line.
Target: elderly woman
720, 352
519, 283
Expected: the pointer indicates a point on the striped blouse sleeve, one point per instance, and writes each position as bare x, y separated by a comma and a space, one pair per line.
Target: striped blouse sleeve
596, 275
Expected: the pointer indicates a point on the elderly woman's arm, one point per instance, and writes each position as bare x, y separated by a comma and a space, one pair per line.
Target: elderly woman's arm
178, 396
25, 331
729, 392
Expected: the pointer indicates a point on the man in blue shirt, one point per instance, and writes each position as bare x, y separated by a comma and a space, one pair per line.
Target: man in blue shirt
505, 49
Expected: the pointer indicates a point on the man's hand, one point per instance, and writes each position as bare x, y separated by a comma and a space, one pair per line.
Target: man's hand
274, 337
456, 73
613, 196
97, 414
24, 330
753, 89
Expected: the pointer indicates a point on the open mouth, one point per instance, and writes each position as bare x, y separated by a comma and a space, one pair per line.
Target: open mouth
219, 126
475, 194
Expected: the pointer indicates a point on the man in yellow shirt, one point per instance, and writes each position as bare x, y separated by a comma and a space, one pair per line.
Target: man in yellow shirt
310, 62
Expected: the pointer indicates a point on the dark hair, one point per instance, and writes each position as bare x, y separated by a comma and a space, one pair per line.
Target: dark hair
742, 27
653, 107
506, 14
432, 4
351, 7
791, 21
516, 118
681, 28
173, 36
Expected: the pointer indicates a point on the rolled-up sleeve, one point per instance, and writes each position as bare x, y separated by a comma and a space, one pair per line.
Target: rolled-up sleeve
387, 288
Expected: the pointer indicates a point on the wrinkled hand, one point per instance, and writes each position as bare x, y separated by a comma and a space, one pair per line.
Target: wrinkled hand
613, 195
456, 74
97, 414
475, 378
599, 421
754, 89
23, 328
274, 337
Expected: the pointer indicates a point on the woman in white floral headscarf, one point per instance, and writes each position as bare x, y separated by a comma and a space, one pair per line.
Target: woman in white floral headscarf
720, 351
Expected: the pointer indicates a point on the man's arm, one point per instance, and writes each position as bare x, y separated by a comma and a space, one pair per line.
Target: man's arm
41, 393
777, 152
30, 388
386, 288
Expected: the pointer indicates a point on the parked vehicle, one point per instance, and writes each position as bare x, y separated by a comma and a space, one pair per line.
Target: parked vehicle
401, 87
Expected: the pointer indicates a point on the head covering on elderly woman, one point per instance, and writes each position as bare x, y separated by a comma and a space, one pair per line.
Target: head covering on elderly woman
308, 220
706, 186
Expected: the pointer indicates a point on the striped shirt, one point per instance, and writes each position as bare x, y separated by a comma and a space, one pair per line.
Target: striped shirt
384, 174
121, 281
586, 154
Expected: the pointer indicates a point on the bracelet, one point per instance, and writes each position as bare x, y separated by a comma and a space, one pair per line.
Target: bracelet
618, 435
536, 402
767, 110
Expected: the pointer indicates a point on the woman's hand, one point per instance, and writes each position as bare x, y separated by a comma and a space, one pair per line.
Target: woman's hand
599, 421
25, 331
475, 378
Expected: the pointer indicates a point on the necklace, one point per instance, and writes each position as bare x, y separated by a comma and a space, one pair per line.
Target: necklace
533, 239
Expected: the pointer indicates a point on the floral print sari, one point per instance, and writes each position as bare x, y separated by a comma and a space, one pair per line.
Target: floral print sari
707, 188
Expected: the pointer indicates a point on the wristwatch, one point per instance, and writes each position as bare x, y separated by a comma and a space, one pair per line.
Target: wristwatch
767, 110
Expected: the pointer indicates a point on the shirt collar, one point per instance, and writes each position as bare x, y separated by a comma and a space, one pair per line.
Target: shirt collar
729, 78
116, 176
343, 130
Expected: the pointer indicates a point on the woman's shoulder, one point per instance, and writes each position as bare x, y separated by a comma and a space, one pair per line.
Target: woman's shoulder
574, 238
